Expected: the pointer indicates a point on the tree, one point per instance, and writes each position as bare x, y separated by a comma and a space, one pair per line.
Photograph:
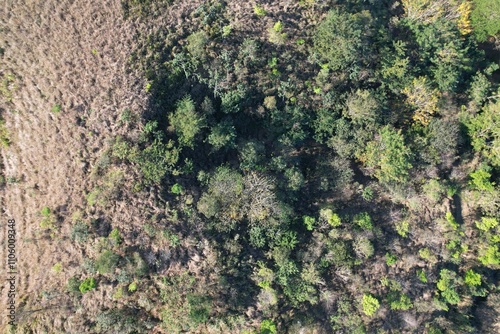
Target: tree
340, 39
424, 99
186, 121
484, 131
222, 135
485, 18
370, 305
389, 156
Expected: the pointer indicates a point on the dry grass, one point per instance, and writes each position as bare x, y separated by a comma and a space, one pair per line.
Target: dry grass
73, 54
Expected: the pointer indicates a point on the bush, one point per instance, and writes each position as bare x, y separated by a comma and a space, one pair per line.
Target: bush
268, 327
329, 216
472, 278
87, 285
363, 247
115, 236
259, 10
309, 222
177, 189
487, 223
370, 305
363, 220
79, 232
107, 262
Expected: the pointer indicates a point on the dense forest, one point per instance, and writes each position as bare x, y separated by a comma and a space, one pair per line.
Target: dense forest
261, 167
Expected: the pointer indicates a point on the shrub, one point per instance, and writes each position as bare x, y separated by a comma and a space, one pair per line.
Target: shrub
56, 108
268, 327
87, 285
79, 232
399, 301
451, 220
329, 216
107, 262
74, 285
446, 285
490, 255
115, 236
370, 305
177, 189
132, 286
402, 228
276, 35
259, 10
309, 222
363, 247
487, 223
472, 278
422, 276
390, 259
363, 220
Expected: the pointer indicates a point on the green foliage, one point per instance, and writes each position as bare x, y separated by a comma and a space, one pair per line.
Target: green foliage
196, 44
451, 221
222, 135
446, 285
87, 285
389, 156
309, 222
107, 262
268, 327
472, 278
487, 223
156, 160
390, 259
4, 134
177, 189
340, 39
480, 179
186, 121
399, 301
370, 305
330, 217
485, 18
115, 236
276, 34
132, 286
363, 220
422, 276
259, 10
48, 220
484, 131
56, 108
490, 256
403, 228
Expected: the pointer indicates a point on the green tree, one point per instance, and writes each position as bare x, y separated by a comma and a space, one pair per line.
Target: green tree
340, 39
485, 18
370, 305
484, 131
388, 156
186, 121
222, 135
